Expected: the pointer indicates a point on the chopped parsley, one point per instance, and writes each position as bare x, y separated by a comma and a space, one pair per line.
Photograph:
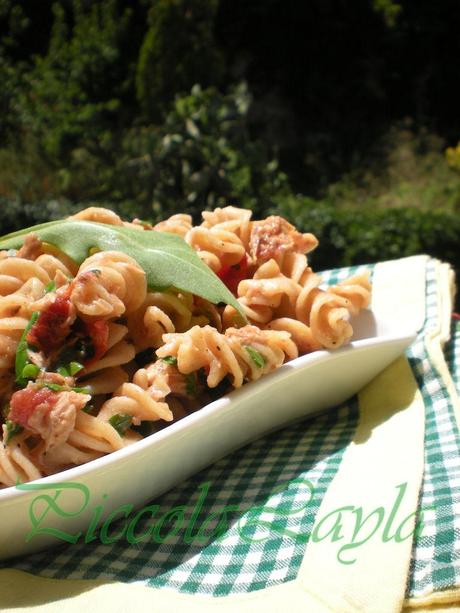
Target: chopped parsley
30, 371
255, 356
11, 430
22, 357
55, 387
170, 359
51, 287
69, 370
120, 422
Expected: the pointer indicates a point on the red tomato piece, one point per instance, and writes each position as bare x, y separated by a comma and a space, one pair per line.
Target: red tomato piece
98, 331
52, 326
232, 275
24, 402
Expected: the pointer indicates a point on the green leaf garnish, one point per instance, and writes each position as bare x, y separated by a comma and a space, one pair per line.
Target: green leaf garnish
81, 390
22, 358
11, 430
30, 371
120, 422
170, 359
255, 356
70, 370
51, 287
166, 258
74, 368
55, 387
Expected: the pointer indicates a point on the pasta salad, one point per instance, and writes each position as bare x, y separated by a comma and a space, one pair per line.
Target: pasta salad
94, 357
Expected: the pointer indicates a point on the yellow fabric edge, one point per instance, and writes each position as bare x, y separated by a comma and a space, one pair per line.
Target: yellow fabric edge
300, 595
434, 342
434, 601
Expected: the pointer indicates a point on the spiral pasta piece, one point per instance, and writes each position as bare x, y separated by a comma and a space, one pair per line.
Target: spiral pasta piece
224, 245
224, 354
98, 214
131, 399
232, 219
356, 289
301, 334
176, 224
160, 312
17, 465
108, 284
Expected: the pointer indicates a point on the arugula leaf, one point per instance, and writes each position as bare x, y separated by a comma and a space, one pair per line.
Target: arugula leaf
255, 356
120, 422
11, 430
166, 258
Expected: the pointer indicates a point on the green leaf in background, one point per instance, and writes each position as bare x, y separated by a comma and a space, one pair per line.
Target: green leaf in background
166, 258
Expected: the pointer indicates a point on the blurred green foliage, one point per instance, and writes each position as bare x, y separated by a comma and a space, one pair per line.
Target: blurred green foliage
179, 50
367, 235
202, 156
154, 107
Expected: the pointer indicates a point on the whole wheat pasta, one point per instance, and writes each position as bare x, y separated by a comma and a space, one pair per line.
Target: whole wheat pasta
107, 285
92, 360
176, 224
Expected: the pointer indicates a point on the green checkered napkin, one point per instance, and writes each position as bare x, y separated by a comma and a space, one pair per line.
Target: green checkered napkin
270, 475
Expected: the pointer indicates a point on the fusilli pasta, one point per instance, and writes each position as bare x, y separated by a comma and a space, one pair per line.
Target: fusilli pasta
92, 360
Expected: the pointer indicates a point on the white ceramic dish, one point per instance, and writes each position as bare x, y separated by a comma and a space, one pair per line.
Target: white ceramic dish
135, 475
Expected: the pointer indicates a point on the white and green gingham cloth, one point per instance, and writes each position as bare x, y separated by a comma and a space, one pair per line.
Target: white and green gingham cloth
269, 477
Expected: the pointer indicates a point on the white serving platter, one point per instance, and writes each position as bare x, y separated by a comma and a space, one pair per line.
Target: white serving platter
137, 474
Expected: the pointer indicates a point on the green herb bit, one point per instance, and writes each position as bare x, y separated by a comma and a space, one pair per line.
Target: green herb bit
51, 287
255, 356
170, 359
55, 387
120, 422
30, 371
22, 358
74, 368
11, 430
81, 390
70, 370
89, 408
190, 384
